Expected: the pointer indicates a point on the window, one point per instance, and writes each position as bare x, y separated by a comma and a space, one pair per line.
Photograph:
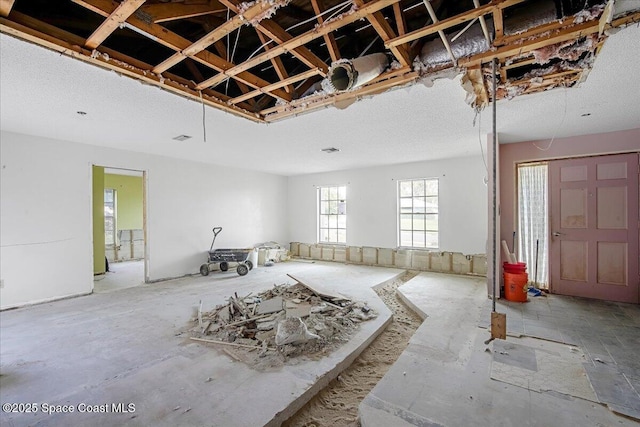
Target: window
109, 216
418, 210
333, 214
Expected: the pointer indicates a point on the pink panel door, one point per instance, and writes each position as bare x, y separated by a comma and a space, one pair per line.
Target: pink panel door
594, 225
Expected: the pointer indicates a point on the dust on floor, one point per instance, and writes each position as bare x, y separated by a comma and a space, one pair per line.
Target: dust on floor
337, 404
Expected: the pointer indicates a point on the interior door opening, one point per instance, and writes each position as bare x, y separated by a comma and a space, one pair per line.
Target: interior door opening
119, 211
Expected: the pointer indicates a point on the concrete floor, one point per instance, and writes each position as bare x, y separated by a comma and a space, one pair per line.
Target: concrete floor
126, 347
121, 275
443, 378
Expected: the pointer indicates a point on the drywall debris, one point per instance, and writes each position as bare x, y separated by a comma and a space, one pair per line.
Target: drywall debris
570, 50
272, 305
473, 83
589, 14
286, 321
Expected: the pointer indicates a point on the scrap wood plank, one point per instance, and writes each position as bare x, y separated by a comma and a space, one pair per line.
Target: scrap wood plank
499, 325
319, 290
253, 347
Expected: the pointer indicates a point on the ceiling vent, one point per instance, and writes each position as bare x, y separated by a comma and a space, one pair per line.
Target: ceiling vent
330, 150
181, 137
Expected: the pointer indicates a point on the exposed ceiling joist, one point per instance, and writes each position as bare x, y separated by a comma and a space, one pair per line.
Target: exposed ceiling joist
452, 21
178, 43
300, 40
165, 12
278, 34
277, 63
5, 7
282, 83
401, 24
329, 39
215, 35
113, 21
386, 33
370, 89
530, 44
222, 51
498, 26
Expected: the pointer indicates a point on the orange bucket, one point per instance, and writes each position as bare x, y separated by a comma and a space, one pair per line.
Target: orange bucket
515, 287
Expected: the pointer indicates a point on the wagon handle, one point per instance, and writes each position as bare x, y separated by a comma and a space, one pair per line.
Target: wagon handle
216, 231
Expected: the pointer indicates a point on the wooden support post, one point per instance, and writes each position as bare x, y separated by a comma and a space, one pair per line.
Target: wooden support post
499, 325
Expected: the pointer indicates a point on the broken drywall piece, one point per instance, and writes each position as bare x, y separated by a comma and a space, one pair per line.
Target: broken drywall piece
473, 83
272, 305
319, 290
297, 309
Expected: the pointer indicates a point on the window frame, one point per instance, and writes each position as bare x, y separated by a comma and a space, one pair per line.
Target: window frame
113, 206
424, 225
335, 222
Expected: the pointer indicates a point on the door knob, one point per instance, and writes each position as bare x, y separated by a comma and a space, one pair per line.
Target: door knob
556, 234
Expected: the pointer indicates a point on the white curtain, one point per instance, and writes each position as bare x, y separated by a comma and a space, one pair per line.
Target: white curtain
533, 228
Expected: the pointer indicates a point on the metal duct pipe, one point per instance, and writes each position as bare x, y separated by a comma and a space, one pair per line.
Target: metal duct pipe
346, 74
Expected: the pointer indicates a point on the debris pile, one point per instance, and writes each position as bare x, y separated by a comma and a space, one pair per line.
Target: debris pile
284, 322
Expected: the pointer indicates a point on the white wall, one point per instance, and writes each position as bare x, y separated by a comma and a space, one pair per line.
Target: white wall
372, 204
45, 214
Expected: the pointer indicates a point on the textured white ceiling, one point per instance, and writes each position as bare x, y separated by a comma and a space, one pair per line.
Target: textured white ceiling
41, 92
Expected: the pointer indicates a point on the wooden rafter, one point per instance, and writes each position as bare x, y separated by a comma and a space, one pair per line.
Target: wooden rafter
452, 21
498, 26
227, 28
113, 21
43, 34
282, 83
391, 74
550, 26
281, 71
329, 39
529, 44
401, 24
384, 30
177, 43
5, 7
164, 12
309, 103
520, 63
300, 40
222, 51
279, 35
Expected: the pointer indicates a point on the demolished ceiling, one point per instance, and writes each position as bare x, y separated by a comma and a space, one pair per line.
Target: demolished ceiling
271, 59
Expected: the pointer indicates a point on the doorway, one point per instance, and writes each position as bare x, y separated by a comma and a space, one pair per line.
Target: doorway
119, 228
593, 247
